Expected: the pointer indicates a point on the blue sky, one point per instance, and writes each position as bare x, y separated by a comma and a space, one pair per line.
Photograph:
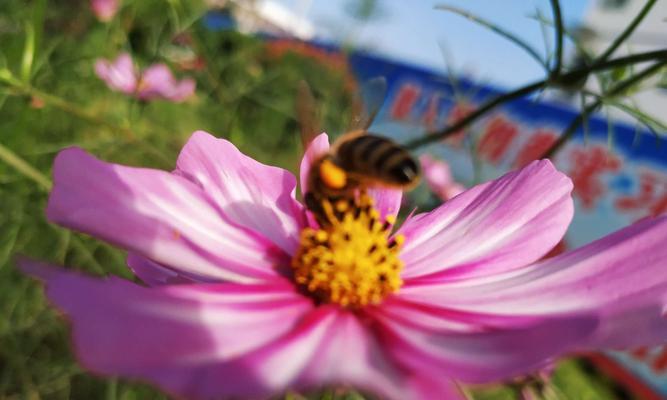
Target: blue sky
415, 32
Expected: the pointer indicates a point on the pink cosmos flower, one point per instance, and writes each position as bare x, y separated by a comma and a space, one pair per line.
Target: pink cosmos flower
221, 313
156, 82
439, 178
105, 10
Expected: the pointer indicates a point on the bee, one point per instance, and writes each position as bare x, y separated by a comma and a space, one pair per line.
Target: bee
358, 160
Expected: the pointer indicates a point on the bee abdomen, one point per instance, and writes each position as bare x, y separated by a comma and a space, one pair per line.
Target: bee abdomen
355, 153
378, 157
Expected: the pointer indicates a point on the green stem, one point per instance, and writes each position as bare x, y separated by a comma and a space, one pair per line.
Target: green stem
22, 166
497, 29
627, 31
558, 21
615, 91
483, 109
75, 110
112, 389
570, 76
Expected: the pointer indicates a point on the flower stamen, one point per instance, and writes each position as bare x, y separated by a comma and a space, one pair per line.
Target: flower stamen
350, 260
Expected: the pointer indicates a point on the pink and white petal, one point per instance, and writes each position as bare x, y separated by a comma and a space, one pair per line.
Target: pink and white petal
190, 340
158, 77
155, 274
119, 75
181, 91
157, 81
316, 148
387, 201
498, 226
475, 348
161, 216
333, 347
249, 194
105, 10
439, 178
620, 279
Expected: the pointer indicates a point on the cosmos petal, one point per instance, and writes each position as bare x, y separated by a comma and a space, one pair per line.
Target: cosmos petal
332, 347
119, 75
157, 81
387, 200
155, 274
250, 194
474, 347
161, 216
501, 225
316, 148
190, 340
619, 280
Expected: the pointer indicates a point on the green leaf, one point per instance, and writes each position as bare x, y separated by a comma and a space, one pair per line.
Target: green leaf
33, 37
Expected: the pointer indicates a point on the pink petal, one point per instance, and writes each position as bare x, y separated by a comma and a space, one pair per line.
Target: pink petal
494, 227
158, 215
332, 347
105, 10
473, 347
316, 148
182, 90
194, 341
158, 82
119, 75
387, 201
248, 193
155, 274
439, 178
621, 279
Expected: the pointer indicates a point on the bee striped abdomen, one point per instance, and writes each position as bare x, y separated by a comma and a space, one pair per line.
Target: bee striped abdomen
378, 158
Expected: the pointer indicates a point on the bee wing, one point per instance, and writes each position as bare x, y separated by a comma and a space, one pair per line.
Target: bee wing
372, 94
306, 114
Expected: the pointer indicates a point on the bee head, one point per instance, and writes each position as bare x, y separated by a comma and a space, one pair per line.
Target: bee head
333, 176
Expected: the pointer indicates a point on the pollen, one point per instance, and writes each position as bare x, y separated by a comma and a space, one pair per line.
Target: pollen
351, 260
332, 175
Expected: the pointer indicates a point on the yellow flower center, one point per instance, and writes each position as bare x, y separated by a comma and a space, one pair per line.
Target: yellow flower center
350, 260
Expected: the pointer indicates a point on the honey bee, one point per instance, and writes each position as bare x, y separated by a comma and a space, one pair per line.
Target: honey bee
358, 160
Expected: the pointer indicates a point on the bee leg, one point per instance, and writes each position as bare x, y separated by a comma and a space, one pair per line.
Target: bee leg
311, 203
315, 207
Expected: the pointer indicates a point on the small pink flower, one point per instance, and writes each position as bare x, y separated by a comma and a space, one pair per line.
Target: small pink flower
105, 10
156, 82
439, 178
221, 315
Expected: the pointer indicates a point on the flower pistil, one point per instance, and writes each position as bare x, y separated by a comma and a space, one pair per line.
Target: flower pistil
351, 260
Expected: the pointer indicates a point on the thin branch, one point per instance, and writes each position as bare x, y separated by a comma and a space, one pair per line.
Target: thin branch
497, 29
545, 34
642, 117
470, 118
615, 91
602, 65
558, 21
571, 76
627, 31
22, 166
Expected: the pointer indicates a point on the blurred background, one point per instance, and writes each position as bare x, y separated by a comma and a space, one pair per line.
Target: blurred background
233, 68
